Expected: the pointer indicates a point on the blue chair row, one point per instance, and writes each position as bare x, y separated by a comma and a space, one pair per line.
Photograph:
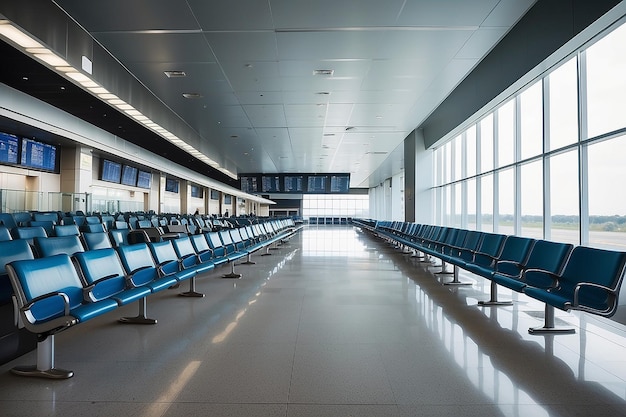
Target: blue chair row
558, 274
69, 285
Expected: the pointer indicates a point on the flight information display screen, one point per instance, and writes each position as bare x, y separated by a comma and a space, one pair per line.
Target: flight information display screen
270, 183
38, 155
9, 146
293, 184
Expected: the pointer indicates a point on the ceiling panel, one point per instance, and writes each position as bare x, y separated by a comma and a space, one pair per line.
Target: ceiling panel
243, 46
124, 15
219, 15
157, 47
445, 13
271, 115
262, 109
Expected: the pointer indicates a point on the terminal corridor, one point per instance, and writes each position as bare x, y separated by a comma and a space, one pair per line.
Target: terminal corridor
334, 323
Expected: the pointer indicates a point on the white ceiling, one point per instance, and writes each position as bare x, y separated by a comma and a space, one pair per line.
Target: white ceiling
253, 61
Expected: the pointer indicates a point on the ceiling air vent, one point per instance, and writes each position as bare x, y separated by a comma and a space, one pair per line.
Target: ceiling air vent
175, 74
325, 72
192, 95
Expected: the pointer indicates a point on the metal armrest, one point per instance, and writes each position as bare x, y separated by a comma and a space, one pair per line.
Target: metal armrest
130, 283
27, 307
610, 292
88, 290
551, 275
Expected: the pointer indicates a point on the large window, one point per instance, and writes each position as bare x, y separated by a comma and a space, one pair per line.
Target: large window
563, 108
328, 205
531, 199
607, 205
543, 162
606, 84
531, 121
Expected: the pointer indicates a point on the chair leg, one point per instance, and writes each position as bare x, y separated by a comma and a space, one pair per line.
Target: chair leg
45, 363
444, 271
493, 301
248, 260
192, 289
232, 273
455, 279
549, 327
141, 317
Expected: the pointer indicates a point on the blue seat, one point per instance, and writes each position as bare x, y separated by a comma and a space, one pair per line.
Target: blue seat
141, 269
105, 277
48, 225
170, 264
589, 282
201, 247
8, 220
513, 256
49, 295
11, 250
544, 256
22, 218
66, 230
190, 259
50, 246
51, 217
93, 228
142, 272
93, 241
119, 237
486, 255
29, 233
5, 234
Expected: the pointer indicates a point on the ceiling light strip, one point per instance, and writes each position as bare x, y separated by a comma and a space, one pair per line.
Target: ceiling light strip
36, 50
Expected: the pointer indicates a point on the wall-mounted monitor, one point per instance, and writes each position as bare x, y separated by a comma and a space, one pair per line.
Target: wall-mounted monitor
171, 185
144, 179
340, 183
317, 184
215, 195
249, 183
9, 147
38, 155
129, 175
270, 183
197, 191
111, 171
293, 183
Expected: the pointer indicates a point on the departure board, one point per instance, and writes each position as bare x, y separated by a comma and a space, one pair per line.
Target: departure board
249, 184
316, 184
293, 184
38, 155
270, 183
8, 148
340, 184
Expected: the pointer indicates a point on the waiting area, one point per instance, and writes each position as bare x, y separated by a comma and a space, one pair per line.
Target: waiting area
336, 322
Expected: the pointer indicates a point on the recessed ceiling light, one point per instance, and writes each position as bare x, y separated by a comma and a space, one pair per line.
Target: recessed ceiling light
192, 95
175, 74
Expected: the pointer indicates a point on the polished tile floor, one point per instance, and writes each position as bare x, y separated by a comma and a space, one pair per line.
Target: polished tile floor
333, 324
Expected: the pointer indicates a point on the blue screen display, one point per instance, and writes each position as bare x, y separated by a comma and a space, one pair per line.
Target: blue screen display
9, 146
144, 179
38, 155
111, 171
129, 175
